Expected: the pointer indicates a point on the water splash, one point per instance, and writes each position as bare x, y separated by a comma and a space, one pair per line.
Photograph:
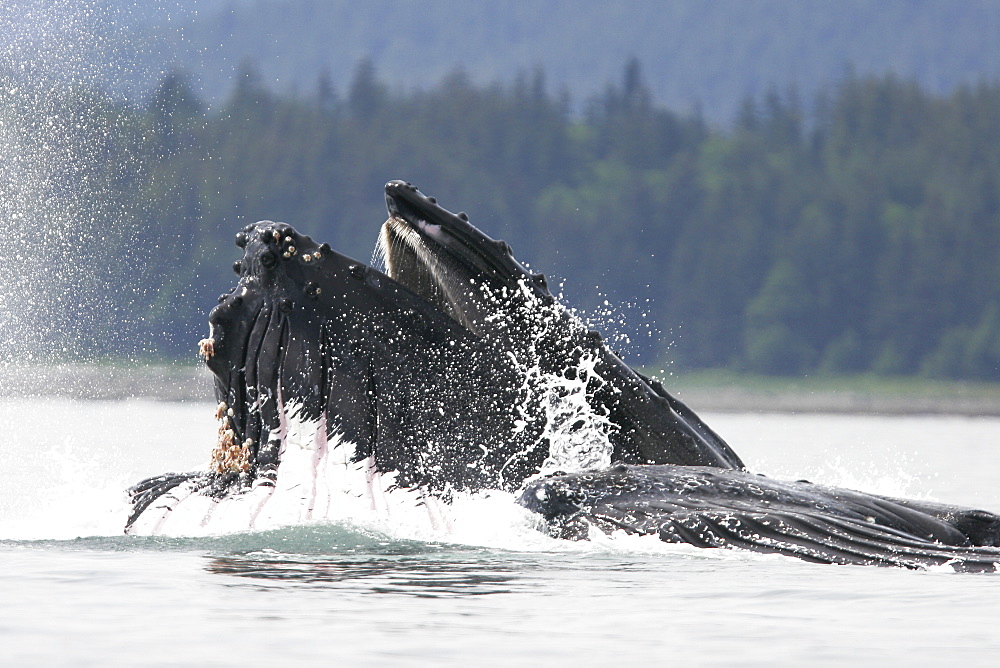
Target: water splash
578, 437
68, 161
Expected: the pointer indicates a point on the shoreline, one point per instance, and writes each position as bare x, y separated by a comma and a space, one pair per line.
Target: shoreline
719, 392
743, 400
725, 391
108, 382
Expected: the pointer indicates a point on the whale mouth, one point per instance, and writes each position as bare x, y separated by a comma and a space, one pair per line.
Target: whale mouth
440, 256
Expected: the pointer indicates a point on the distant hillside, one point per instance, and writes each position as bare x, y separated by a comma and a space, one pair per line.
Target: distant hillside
867, 242
706, 56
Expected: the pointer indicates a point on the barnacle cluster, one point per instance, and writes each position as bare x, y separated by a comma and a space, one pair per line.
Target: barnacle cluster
206, 348
229, 456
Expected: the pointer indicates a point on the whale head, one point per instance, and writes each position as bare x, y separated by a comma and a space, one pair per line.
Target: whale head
308, 334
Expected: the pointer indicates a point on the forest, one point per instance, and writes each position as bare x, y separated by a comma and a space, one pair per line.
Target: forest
862, 236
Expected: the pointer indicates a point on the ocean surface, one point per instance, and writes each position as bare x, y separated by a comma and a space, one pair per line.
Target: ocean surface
493, 590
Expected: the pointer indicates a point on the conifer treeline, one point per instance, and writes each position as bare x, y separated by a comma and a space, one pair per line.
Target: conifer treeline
867, 239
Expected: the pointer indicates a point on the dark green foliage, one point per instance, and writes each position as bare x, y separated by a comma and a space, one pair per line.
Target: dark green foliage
865, 239
776, 320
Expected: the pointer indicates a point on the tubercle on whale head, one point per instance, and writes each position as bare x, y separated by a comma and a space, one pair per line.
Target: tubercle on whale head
275, 271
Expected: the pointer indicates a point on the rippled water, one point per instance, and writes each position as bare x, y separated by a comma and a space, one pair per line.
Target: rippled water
494, 591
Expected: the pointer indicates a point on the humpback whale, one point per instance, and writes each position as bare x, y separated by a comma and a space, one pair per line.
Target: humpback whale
475, 279
341, 387
334, 380
455, 371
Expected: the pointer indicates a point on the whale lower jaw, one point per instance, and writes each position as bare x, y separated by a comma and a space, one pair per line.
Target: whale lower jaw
317, 480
